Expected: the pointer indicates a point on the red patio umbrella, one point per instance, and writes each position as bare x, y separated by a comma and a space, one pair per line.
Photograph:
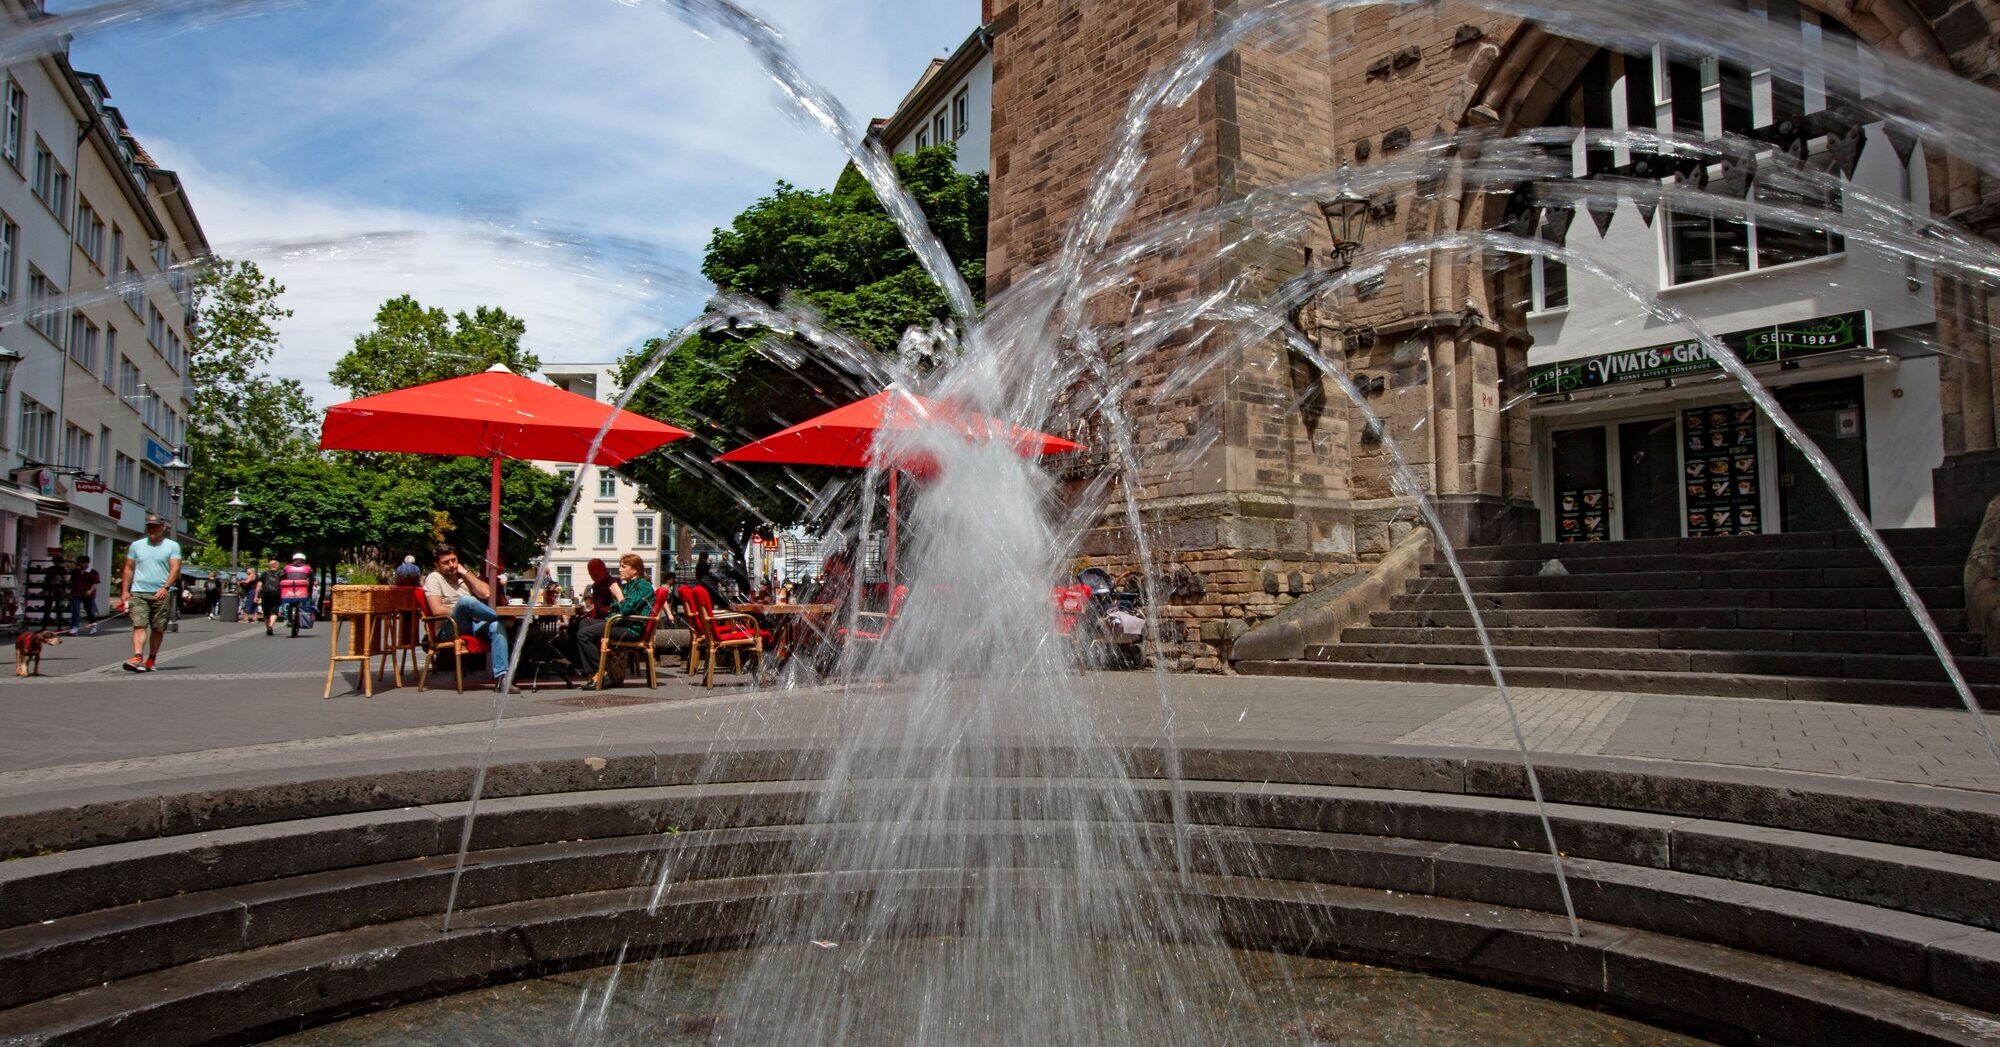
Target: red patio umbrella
847, 436
495, 414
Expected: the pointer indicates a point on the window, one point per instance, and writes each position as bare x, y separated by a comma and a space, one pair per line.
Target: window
940, 128
564, 577
83, 342
38, 431
103, 451
17, 123
79, 448
923, 139
51, 182
567, 476
160, 256
1550, 277
568, 535
110, 354
44, 314
607, 530
10, 248
645, 529
90, 232
149, 409
174, 356
156, 327
128, 382
607, 484
125, 476
961, 113
133, 289
149, 488
117, 257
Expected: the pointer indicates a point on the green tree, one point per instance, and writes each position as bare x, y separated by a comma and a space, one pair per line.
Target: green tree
837, 250
240, 414
411, 345
460, 490
330, 512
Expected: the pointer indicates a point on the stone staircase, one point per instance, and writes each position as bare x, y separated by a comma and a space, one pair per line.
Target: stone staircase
1808, 616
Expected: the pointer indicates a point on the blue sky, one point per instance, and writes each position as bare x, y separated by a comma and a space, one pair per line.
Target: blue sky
563, 159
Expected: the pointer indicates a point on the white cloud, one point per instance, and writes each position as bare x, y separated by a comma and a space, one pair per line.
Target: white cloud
469, 128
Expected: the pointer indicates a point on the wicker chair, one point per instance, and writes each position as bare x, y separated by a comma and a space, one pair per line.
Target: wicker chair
441, 637
639, 647
713, 632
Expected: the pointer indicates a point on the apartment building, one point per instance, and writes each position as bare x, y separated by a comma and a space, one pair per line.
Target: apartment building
95, 297
951, 102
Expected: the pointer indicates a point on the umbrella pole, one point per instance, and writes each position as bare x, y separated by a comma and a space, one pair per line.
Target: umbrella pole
891, 558
493, 538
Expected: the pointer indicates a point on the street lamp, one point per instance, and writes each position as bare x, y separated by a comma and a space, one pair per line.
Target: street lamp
236, 504
1346, 218
177, 472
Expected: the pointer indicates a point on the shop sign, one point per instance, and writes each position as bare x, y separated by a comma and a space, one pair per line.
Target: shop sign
115, 508
85, 485
45, 482
158, 453
1762, 345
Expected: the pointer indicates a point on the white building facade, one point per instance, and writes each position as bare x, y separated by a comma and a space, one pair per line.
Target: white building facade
1637, 433
951, 102
610, 519
93, 321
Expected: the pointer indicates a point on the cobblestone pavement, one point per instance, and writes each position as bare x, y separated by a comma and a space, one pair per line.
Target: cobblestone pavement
229, 698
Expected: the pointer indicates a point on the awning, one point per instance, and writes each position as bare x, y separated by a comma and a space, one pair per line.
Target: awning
18, 501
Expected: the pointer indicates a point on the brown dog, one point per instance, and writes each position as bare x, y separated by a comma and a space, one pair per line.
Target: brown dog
28, 652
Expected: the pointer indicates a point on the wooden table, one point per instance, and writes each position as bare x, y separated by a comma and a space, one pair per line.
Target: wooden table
520, 610
379, 617
762, 609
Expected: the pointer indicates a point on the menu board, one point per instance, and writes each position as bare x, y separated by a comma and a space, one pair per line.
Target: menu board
1722, 476
1581, 516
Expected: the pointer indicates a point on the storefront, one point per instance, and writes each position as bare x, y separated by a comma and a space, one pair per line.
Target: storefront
1660, 442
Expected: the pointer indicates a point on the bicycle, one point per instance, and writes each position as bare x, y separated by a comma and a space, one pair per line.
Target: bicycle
298, 612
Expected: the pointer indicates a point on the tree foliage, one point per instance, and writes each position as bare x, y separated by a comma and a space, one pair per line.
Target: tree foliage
330, 512
239, 414
411, 345
836, 250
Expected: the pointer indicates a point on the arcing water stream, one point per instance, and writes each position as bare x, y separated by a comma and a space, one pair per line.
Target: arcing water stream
967, 742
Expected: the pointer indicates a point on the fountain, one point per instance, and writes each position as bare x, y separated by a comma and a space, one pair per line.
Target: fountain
968, 849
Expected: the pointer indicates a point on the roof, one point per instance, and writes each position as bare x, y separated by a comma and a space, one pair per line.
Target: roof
939, 77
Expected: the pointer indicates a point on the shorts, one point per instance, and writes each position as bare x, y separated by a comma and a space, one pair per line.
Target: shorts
149, 611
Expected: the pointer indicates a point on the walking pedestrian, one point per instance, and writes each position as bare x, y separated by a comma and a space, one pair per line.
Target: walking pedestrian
152, 566
268, 582
83, 583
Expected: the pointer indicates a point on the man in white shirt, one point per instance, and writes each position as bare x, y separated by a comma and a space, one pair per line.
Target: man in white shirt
452, 590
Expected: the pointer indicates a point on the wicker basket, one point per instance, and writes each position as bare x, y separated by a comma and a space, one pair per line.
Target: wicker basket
373, 599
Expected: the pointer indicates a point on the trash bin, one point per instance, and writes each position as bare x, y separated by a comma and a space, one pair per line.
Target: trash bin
226, 607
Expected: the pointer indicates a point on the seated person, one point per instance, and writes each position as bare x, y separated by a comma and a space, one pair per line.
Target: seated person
632, 595
451, 589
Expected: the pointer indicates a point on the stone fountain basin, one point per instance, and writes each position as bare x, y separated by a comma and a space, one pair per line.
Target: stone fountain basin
1794, 907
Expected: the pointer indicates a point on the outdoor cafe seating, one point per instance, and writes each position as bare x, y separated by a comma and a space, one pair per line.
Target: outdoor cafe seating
637, 649
715, 632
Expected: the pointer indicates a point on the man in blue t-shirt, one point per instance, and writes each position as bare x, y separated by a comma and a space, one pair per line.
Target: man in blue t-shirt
152, 566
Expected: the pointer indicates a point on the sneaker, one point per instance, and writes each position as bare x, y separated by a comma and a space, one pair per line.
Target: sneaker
269, 631
135, 664
92, 632
149, 665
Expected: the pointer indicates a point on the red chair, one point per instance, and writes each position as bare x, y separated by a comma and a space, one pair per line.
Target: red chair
641, 647
712, 632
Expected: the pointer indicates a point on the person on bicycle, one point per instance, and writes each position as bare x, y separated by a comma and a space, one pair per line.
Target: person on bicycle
269, 581
295, 590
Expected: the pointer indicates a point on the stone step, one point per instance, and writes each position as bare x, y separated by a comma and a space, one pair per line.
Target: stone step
1825, 665
1906, 693
1941, 576
1801, 560
1437, 597
1904, 538
1885, 620
1712, 639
